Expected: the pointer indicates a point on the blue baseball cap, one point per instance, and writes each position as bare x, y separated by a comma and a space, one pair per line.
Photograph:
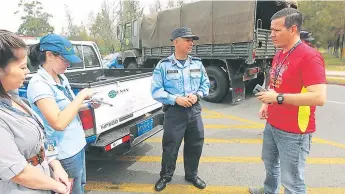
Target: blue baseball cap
59, 44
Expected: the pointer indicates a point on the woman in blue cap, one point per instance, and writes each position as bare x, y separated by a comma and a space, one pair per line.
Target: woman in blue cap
24, 166
50, 95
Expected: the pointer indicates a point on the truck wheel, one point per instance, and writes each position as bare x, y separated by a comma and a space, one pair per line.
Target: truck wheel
250, 85
132, 65
219, 84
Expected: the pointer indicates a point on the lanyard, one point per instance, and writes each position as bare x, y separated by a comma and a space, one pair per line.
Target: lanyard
66, 92
65, 89
33, 116
277, 71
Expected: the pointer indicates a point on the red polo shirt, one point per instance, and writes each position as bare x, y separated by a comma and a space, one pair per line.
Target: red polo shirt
303, 67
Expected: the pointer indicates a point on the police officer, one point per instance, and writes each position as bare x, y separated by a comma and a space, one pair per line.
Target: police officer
179, 82
306, 37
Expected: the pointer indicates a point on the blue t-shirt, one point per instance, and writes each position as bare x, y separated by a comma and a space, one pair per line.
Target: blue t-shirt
182, 62
42, 85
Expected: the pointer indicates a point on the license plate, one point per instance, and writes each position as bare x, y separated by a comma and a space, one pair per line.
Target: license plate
145, 126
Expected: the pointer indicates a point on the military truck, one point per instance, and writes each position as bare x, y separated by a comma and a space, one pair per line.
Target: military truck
235, 44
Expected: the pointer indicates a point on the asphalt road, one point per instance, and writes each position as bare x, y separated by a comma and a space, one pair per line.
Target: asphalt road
231, 156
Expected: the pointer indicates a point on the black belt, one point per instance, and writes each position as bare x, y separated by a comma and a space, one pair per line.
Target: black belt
167, 106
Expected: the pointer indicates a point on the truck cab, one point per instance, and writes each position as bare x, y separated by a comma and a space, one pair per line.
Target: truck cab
88, 52
129, 36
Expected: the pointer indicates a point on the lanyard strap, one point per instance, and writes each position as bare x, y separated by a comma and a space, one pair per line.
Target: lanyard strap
30, 114
277, 71
66, 92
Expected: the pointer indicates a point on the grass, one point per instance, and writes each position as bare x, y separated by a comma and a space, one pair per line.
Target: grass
333, 63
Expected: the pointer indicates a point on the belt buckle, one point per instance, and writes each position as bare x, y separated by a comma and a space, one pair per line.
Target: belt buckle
40, 156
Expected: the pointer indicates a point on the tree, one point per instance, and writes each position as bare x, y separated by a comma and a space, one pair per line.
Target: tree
103, 30
35, 21
180, 2
156, 7
75, 32
326, 21
130, 10
171, 4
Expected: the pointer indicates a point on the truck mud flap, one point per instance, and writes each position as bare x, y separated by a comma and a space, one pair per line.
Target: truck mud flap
238, 89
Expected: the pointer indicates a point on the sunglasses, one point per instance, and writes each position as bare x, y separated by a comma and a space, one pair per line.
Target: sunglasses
63, 60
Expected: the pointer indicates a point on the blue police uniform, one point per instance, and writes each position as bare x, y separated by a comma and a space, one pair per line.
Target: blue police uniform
172, 79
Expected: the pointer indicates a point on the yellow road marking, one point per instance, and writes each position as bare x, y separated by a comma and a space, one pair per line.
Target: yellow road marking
251, 141
221, 115
215, 140
214, 113
256, 125
338, 80
226, 159
179, 188
233, 127
323, 141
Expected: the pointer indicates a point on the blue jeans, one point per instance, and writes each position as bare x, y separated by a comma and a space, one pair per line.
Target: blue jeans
284, 155
75, 168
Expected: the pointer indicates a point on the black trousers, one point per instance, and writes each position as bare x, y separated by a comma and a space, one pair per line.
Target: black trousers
182, 123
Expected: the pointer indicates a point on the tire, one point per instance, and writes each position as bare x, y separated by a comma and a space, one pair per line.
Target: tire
219, 84
250, 85
132, 65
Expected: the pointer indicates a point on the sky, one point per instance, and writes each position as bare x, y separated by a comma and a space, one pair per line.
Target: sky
80, 10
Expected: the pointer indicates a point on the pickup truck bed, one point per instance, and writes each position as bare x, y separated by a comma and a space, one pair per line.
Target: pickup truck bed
134, 115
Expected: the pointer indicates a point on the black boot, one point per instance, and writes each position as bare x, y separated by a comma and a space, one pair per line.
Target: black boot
161, 184
197, 182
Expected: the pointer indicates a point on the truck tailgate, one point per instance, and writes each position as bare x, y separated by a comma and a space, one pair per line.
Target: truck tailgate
130, 99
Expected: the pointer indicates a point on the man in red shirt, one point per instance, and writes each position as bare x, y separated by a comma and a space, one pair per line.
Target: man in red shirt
297, 86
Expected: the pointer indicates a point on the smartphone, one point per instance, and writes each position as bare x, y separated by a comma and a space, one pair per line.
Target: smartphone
258, 89
101, 100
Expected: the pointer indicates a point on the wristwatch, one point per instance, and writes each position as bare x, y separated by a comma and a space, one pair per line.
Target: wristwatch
280, 98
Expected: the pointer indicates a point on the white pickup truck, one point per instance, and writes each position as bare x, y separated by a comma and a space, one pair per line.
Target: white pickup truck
134, 115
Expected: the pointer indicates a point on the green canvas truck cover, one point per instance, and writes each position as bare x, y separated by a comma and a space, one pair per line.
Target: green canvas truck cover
215, 22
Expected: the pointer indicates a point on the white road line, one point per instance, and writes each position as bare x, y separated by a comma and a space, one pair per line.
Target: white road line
336, 102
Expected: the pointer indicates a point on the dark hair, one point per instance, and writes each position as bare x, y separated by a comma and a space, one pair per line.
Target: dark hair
9, 43
36, 56
292, 17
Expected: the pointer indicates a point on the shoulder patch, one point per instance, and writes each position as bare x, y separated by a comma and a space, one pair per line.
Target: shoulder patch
196, 59
164, 60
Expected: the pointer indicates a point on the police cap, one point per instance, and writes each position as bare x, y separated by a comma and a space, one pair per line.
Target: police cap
183, 32
306, 36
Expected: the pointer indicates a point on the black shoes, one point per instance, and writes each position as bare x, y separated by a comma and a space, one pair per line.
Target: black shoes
161, 184
197, 182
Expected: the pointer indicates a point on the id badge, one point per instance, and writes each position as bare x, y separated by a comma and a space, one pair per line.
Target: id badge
51, 147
